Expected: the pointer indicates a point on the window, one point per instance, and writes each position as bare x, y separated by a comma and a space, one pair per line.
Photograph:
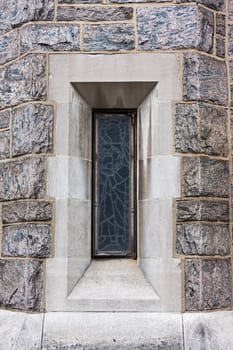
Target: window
114, 183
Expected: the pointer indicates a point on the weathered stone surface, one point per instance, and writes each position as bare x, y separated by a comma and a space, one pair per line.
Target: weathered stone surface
204, 78
79, 1
23, 80
110, 37
21, 284
23, 178
49, 37
96, 13
9, 46
220, 24
14, 13
215, 4
205, 177
231, 69
138, 1
230, 40
220, 47
202, 239
4, 144
4, 119
26, 211
201, 128
27, 240
32, 129
207, 284
175, 27
202, 210
230, 9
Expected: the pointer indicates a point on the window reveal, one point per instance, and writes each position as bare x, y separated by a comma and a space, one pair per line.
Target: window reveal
113, 183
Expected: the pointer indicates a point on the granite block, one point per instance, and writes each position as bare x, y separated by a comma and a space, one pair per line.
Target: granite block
220, 47
9, 46
32, 129
218, 5
175, 27
220, 24
207, 284
4, 144
4, 119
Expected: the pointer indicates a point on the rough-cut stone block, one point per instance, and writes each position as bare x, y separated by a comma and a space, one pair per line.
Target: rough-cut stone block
204, 78
215, 4
230, 40
9, 46
108, 37
96, 13
220, 47
202, 239
27, 240
4, 119
205, 177
202, 210
138, 1
13, 13
49, 37
220, 24
4, 144
175, 27
201, 128
207, 284
26, 211
79, 1
24, 178
230, 8
23, 80
32, 129
21, 284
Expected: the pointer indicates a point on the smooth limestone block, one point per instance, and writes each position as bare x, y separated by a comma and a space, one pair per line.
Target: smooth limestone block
175, 27
27, 240
50, 37
4, 119
21, 284
4, 144
215, 4
201, 128
9, 46
96, 13
202, 239
207, 284
204, 78
220, 24
108, 37
202, 210
24, 178
205, 177
26, 211
23, 80
13, 13
32, 129
220, 47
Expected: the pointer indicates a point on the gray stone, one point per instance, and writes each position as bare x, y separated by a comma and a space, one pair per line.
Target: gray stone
4, 144
79, 1
32, 129
231, 93
108, 37
202, 210
13, 13
21, 284
220, 24
207, 284
205, 177
230, 9
95, 13
20, 330
4, 119
201, 128
139, 1
26, 211
175, 27
23, 80
202, 239
24, 178
27, 240
231, 69
220, 47
230, 40
9, 46
215, 4
49, 37
204, 78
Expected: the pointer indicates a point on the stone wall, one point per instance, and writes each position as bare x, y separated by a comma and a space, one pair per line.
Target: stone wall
201, 33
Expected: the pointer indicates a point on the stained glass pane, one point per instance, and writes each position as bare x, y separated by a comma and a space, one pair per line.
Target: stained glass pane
113, 187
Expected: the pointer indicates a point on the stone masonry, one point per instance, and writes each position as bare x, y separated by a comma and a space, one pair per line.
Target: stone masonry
200, 32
